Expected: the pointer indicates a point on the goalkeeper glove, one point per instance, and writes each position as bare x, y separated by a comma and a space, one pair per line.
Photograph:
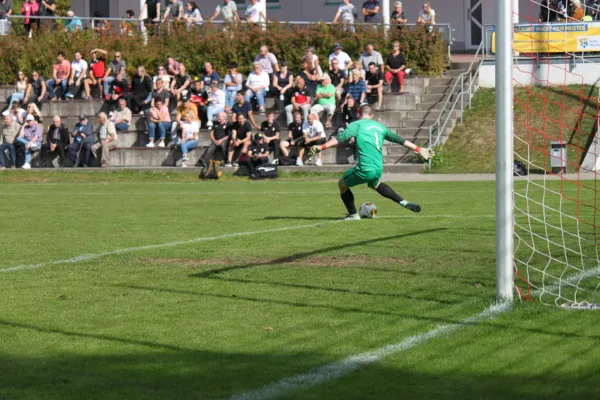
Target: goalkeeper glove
425, 152
315, 150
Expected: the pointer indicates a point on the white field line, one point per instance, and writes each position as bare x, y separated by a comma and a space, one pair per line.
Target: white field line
352, 363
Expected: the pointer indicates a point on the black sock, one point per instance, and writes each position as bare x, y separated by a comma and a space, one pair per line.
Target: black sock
348, 199
389, 193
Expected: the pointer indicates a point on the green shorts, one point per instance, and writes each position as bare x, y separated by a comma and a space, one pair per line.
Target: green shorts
355, 177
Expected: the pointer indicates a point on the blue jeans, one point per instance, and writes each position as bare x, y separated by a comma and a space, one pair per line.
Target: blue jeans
28, 152
16, 96
260, 96
11, 149
188, 145
162, 129
107, 82
211, 111
122, 126
50, 85
230, 96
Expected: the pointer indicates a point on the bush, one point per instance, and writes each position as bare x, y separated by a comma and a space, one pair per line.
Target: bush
426, 52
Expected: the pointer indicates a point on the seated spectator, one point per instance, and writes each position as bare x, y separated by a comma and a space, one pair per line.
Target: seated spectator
370, 10
375, 84
118, 89
282, 82
183, 108
57, 140
219, 136
174, 11
16, 112
10, 131
309, 75
30, 9
395, 66
258, 85
268, 61
314, 134
371, 56
357, 88
121, 117
295, 137
313, 61
20, 89
160, 119
101, 25
126, 27
140, 96
107, 139
190, 127
338, 79
61, 71
96, 73
192, 16
427, 15
258, 154
233, 83
161, 92
200, 99
83, 140
79, 68
216, 103
301, 100
254, 13
181, 82
357, 67
172, 67
577, 11
398, 17
244, 108
350, 111
74, 23
36, 90
325, 100
209, 76
32, 109
343, 59
347, 13
272, 135
116, 67
163, 76
30, 137
240, 137
593, 9
228, 9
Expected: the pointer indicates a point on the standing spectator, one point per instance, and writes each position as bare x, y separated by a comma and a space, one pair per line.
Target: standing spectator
96, 73
216, 103
160, 119
301, 100
20, 89
107, 139
343, 59
60, 76
47, 9
57, 140
577, 12
258, 85
74, 23
36, 90
325, 100
141, 91
242, 107
375, 84
228, 9
254, 13
233, 83
398, 16
338, 79
357, 88
370, 10
121, 118
258, 154
314, 134
209, 76
272, 135
395, 66
79, 68
593, 9
116, 67
174, 11
282, 83
268, 61
219, 136
126, 27
152, 9
30, 9
101, 25
241, 133
295, 137
163, 76
192, 15
190, 127
30, 138
309, 75
181, 82
5, 9
83, 140
426, 16
371, 56
348, 14
10, 131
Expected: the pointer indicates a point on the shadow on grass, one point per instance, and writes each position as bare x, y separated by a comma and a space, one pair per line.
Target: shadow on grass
296, 218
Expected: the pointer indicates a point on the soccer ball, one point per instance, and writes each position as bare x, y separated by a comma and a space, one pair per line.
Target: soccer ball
368, 210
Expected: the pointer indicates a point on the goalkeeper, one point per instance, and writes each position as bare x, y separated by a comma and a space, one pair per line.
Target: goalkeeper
369, 136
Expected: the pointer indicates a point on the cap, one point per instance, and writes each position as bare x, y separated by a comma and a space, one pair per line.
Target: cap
82, 117
325, 76
185, 97
259, 136
337, 46
29, 118
398, 4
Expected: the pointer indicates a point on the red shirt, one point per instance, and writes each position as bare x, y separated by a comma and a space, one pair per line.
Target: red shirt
98, 68
63, 69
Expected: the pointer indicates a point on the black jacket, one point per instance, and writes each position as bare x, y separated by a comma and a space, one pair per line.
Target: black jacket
63, 135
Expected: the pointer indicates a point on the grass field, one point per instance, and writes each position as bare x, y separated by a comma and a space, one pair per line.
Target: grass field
128, 287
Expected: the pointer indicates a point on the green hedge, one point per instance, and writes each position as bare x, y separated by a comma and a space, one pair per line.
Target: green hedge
426, 52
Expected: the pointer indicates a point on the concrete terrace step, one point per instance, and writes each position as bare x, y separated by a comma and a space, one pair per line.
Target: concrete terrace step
454, 73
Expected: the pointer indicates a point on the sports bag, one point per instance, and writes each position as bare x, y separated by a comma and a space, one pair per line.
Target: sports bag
267, 172
212, 171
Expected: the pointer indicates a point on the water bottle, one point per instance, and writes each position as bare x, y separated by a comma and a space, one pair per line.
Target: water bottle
281, 97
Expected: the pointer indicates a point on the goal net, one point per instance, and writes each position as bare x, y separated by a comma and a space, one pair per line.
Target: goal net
556, 73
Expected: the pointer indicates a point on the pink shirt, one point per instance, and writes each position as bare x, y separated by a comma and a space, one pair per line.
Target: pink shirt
29, 9
63, 69
162, 114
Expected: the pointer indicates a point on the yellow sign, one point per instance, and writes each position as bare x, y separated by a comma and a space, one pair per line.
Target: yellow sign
555, 38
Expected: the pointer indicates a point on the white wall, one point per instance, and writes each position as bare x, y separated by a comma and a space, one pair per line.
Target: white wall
526, 74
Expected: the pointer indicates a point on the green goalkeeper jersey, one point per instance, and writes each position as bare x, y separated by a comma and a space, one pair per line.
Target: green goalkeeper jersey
369, 136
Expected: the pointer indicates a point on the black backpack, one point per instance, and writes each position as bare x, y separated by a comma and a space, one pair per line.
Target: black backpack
267, 172
519, 169
287, 160
212, 171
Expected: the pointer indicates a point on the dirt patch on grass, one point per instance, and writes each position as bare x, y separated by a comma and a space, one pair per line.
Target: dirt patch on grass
322, 261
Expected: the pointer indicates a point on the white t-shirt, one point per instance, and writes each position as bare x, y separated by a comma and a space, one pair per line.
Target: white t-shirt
79, 67
253, 12
343, 59
427, 17
314, 59
258, 80
314, 130
190, 129
216, 98
227, 10
165, 78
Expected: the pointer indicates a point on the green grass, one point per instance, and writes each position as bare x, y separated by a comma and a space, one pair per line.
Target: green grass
214, 318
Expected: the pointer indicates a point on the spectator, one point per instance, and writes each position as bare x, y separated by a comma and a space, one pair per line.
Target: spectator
395, 66
30, 137
268, 61
32, 109
577, 12
101, 25
36, 90
359, 68
96, 73
295, 137
348, 14
398, 16
152, 9
74, 24
172, 67
141, 91
107, 139
282, 82
258, 85
228, 9
181, 82
10, 131
343, 59
174, 11
309, 75
5, 9
254, 13
209, 76
216, 103
160, 119
357, 88
272, 135
314, 134
116, 67
186, 106
301, 100
219, 136
374, 80
200, 99
349, 111
244, 108
161, 92
192, 16
370, 10
126, 27
60, 76
241, 133
83, 140
426, 16
30, 9
233, 83
47, 9
16, 112
371, 56
593, 9
338, 79
313, 61
190, 127
163, 76
79, 68
258, 154
325, 100
121, 118
118, 90
20, 89
57, 140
